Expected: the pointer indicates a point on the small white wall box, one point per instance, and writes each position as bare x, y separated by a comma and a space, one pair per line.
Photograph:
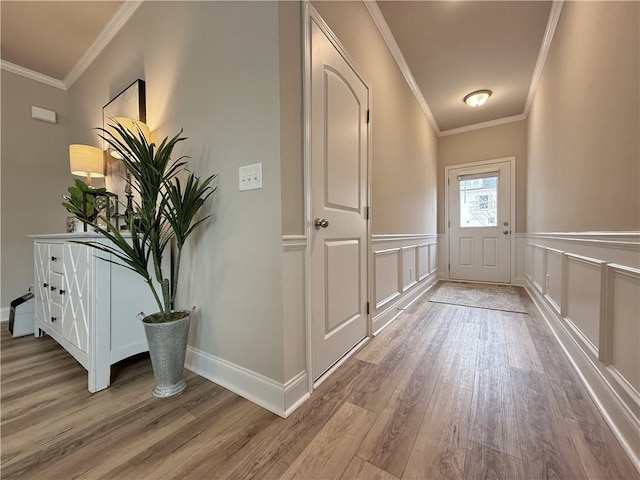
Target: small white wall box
39, 113
21, 316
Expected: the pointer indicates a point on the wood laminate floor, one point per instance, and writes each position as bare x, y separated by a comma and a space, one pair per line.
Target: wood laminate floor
444, 392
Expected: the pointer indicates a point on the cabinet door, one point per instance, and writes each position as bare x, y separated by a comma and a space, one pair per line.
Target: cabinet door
75, 298
41, 288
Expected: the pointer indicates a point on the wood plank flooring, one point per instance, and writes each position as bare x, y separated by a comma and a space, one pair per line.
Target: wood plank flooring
444, 392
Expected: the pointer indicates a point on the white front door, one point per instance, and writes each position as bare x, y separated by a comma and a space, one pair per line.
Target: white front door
480, 222
338, 166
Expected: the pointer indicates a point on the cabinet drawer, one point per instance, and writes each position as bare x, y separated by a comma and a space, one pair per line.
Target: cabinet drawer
55, 253
56, 288
55, 318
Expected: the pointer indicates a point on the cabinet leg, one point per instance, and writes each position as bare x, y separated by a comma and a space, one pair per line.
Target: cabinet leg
99, 379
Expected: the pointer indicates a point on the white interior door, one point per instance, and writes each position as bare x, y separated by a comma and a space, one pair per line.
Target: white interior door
480, 223
338, 243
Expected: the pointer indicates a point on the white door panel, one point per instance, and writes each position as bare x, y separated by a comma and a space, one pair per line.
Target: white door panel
339, 149
479, 223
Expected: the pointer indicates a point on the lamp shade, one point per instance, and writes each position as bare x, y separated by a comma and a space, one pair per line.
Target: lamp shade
85, 160
133, 126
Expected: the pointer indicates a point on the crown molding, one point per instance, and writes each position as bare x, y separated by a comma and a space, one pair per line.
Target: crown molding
113, 27
385, 32
478, 126
554, 16
38, 77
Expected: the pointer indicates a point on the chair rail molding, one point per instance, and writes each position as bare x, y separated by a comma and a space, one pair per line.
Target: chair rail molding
587, 287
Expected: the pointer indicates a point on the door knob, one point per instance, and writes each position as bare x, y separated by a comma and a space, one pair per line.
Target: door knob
321, 223
506, 232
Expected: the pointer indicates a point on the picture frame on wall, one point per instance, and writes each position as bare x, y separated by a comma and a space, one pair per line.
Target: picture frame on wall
130, 103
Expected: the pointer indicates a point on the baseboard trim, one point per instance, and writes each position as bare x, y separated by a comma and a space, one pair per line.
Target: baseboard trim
520, 281
296, 392
381, 320
281, 399
624, 424
4, 314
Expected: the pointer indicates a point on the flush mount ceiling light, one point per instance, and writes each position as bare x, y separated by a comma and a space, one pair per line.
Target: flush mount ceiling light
477, 98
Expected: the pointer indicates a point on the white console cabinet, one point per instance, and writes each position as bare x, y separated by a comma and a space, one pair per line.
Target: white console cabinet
88, 305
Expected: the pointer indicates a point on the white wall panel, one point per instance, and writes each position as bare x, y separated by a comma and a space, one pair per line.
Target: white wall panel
386, 267
587, 285
625, 324
434, 257
554, 278
409, 262
538, 268
423, 261
404, 266
293, 282
583, 297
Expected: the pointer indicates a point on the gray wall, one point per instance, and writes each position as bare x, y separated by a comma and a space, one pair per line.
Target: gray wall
291, 120
584, 126
35, 173
404, 150
212, 68
485, 144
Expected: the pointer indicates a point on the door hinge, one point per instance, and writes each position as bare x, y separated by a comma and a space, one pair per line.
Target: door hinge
368, 308
449, 267
366, 213
368, 115
449, 224
448, 181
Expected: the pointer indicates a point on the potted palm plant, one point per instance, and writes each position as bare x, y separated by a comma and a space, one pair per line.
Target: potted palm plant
164, 216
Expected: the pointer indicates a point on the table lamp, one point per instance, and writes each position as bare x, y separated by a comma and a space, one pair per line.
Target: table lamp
85, 160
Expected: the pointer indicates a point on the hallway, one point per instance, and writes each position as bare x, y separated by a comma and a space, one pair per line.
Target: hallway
444, 392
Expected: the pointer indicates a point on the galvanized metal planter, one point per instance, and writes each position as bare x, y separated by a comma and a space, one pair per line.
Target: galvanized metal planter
167, 348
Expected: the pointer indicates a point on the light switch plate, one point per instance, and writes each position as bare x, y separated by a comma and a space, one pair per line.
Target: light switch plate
250, 177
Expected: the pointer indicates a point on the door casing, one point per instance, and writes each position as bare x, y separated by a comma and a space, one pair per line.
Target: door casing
512, 220
309, 14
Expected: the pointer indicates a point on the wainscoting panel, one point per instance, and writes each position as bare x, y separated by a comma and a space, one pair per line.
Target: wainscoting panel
584, 283
293, 282
404, 267
386, 265
624, 322
587, 286
538, 274
409, 264
434, 258
554, 279
441, 258
424, 251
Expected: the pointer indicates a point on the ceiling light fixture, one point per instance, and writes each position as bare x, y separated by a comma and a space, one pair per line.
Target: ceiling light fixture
477, 98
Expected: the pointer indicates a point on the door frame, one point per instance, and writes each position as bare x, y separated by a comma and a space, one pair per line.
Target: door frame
512, 219
310, 14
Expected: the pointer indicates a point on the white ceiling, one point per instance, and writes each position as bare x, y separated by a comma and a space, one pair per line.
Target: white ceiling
446, 49
50, 37
456, 47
